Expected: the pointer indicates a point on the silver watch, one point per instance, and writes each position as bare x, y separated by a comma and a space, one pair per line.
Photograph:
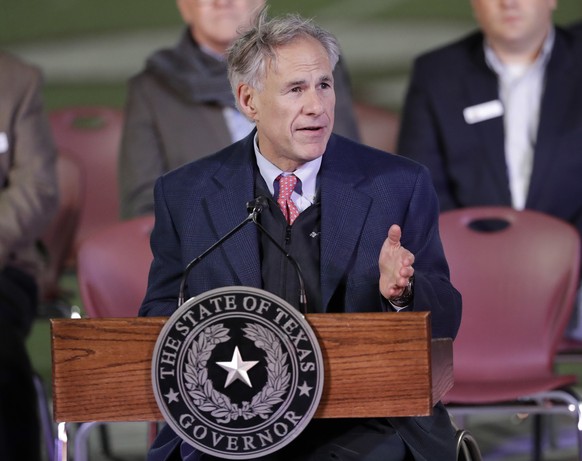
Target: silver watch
406, 297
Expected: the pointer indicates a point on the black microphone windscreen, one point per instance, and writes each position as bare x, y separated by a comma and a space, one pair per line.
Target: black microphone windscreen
258, 204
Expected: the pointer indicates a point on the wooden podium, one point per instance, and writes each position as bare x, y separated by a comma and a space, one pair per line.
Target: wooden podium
376, 364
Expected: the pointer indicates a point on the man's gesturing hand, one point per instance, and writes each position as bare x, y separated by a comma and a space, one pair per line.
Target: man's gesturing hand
395, 264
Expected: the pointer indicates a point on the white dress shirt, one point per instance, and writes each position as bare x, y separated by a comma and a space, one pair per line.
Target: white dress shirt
306, 173
520, 91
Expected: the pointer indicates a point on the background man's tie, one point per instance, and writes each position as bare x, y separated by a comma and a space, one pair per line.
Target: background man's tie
286, 187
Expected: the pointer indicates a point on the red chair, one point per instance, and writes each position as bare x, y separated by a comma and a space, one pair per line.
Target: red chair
569, 351
57, 242
58, 237
378, 126
518, 273
112, 271
113, 266
90, 136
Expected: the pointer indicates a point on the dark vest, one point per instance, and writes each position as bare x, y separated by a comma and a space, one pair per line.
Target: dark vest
301, 242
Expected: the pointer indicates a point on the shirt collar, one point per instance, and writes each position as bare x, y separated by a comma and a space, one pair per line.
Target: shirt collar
211, 52
307, 173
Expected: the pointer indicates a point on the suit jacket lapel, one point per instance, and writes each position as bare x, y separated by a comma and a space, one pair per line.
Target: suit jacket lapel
482, 86
227, 208
344, 208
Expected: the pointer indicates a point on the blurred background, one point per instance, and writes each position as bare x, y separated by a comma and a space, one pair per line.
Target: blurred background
89, 49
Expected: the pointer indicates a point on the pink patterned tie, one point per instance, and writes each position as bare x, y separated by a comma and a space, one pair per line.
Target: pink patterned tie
286, 187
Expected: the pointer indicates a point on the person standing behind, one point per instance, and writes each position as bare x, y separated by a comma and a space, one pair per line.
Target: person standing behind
362, 224
180, 107
28, 201
496, 115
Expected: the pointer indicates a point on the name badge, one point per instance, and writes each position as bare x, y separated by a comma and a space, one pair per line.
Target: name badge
483, 111
3, 143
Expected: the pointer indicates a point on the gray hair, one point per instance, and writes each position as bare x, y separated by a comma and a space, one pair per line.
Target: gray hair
251, 54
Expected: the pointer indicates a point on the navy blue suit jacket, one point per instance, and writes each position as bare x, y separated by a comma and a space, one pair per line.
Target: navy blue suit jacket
467, 162
576, 29
363, 192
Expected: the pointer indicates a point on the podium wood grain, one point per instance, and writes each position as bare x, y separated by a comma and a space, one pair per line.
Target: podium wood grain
376, 364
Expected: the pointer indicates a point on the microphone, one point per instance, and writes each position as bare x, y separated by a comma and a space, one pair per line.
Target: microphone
255, 207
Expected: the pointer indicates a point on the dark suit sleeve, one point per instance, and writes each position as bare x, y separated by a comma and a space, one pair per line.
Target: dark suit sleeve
420, 135
166, 270
420, 234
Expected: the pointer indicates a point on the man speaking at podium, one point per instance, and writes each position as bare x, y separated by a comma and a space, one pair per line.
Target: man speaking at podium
362, 224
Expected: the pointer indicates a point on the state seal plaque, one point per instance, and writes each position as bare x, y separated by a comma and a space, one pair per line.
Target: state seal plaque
237, 372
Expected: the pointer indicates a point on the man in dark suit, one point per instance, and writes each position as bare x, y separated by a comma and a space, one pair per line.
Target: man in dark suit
180, 107
361, 222
496, 115
28, 201
456, 121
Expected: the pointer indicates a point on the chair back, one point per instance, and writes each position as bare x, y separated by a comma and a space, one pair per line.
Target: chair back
378, 126
113, 266
517, 272
90, 136
59, 235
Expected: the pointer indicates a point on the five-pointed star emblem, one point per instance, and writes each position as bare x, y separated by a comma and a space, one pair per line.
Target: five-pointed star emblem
237, 368
304, 389
172, 396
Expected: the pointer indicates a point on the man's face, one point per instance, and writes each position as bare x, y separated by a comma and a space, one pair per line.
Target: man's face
294, 110
215, 23
514, 24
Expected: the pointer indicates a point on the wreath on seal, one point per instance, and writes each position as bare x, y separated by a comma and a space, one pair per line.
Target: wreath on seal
209, 400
